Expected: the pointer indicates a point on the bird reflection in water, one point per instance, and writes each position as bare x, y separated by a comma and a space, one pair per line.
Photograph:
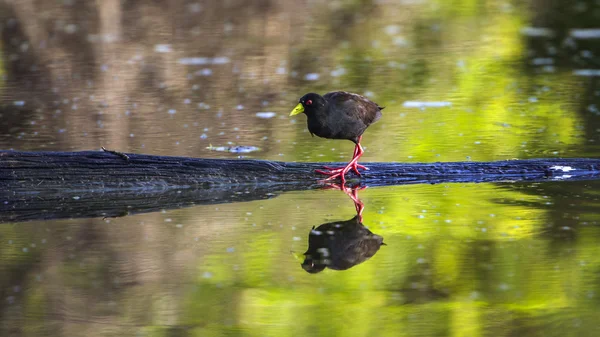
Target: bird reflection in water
340, 245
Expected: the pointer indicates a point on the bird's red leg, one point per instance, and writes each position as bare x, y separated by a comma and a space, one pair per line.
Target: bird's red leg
339, 169
353, 194
353, 164
356, 165
357, 203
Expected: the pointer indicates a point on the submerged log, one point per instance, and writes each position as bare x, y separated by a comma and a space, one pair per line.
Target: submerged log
50, 185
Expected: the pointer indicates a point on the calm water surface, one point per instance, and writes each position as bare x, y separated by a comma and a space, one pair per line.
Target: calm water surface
461, 80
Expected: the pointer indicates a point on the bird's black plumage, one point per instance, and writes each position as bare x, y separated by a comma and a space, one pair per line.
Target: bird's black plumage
339, 114
340, 245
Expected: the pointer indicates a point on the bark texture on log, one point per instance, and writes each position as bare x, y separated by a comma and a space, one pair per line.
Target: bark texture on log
50, 185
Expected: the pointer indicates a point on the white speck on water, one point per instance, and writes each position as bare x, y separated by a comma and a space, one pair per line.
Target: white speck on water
104, 67
297, 238
198, 61
207, 274
586, 72
392, 29
281, 71
25, 250
421, 260
195, 7
240, 107
587, 54
131, 135
537, 32
162, 48
168, 220
562, 168
369, 94
204, 72
311, 76
19, 103
187, 101
230, 249
422, 104
400, 41
220, 60
172, 111
76, 198
71, 28
542, 61
532, 99
203, 136
338, 72
265, 114
591, 33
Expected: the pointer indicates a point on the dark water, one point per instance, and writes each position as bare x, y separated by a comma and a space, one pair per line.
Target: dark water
461, 80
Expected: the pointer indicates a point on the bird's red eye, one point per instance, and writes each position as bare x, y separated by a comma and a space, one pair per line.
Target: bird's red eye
309, 102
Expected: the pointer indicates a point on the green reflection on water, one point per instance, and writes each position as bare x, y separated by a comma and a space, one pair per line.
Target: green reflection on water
461, 260
477, 263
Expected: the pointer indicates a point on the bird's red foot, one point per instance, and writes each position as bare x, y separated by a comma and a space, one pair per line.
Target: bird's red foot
333, 175
336, 171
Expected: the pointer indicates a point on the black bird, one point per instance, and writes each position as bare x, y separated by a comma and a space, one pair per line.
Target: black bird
340, 245
339, 115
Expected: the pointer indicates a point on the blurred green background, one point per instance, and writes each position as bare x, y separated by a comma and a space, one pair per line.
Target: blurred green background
461, 80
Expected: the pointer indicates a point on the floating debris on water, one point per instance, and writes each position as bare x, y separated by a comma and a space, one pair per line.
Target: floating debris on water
265, 114
234, 149
392, 29
338, 72
196, 61
204, 72
592, 33
541, 61
312, 76
537, 32
586, 72
419, 104
162, 48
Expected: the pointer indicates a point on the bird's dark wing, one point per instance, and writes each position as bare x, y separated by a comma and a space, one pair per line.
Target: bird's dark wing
366, 110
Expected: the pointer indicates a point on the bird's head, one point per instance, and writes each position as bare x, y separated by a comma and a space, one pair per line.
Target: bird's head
311, 266
308, 104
